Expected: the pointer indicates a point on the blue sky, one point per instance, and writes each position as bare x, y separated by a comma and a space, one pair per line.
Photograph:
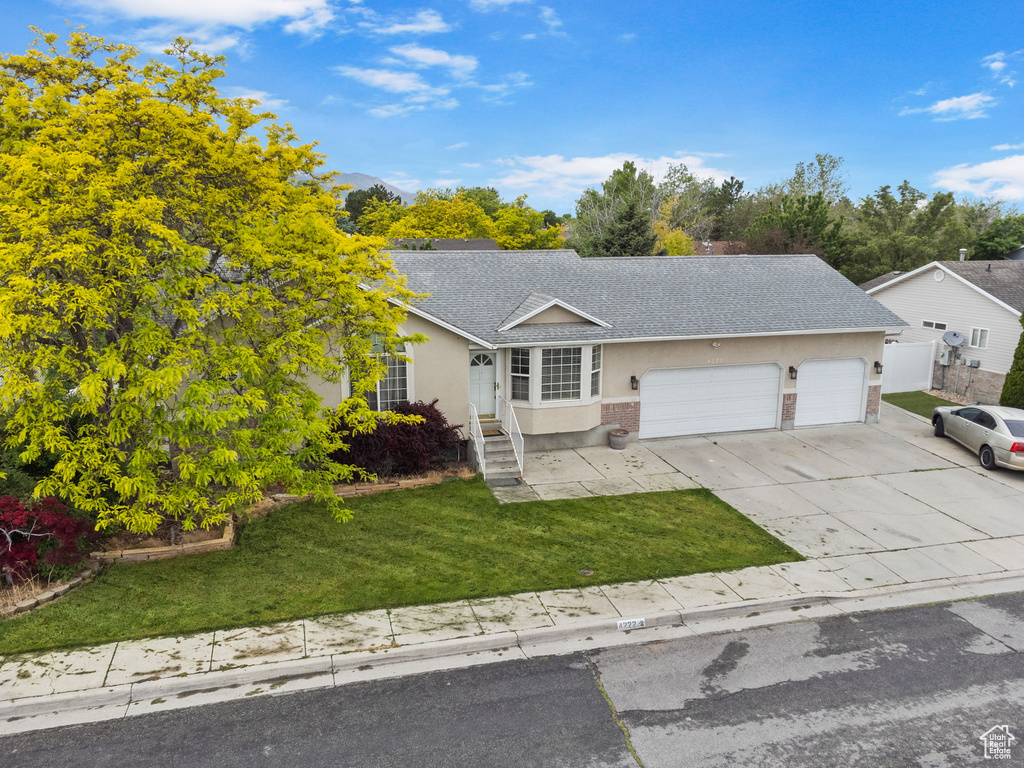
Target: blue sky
546, 97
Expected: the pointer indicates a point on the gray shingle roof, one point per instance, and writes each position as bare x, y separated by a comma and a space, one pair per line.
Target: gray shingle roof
652, 297
531, 303
880, 280
1003, 279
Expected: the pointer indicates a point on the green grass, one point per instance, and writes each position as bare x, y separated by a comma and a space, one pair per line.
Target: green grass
920, 403
446, 542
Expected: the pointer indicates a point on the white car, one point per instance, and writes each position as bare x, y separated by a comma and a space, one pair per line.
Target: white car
993, 432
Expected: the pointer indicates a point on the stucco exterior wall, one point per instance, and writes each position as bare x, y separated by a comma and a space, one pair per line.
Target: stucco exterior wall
571, 418
624, 360
961, 308
440, 368
554, 314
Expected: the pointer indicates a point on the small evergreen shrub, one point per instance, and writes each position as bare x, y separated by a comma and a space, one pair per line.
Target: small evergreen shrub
1013, 388
402, 449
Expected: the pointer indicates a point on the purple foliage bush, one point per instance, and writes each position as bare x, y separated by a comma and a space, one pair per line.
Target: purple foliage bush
402, 449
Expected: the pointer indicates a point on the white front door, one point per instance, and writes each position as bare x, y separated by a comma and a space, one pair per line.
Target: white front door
482, 378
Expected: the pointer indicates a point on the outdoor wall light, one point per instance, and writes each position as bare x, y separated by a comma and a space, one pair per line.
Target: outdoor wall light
878, 367
792, 372
634, 382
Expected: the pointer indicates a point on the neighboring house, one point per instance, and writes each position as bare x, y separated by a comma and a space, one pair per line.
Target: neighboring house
662, 346
719, 247
446, 244
982, 300
1016, 254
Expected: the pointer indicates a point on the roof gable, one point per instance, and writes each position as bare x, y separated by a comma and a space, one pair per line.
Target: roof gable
1000, 281
535, 305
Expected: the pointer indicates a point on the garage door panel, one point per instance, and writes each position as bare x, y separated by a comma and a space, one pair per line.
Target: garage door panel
830, 392
689, 401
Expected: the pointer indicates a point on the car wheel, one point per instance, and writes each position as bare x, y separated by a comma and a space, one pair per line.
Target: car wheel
940, 428
987, 457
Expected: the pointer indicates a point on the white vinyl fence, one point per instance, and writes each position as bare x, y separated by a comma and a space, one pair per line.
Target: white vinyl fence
907, 366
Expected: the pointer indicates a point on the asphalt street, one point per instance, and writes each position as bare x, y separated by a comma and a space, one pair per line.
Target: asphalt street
910, 687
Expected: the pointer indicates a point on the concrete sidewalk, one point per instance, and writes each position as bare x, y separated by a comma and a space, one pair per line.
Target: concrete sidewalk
931, 531
137, 677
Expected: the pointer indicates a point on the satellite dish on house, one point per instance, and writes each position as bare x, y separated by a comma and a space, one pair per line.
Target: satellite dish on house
953, 338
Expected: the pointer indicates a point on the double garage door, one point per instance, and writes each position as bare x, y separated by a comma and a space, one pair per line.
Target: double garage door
731, 398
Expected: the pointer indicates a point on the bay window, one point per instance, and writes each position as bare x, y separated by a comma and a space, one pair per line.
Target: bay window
560, 373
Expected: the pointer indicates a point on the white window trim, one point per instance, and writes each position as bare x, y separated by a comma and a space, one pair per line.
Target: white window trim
528, 375
537, 375
970, 342
410, 394
934, 325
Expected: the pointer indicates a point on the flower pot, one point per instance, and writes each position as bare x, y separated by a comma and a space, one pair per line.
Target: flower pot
617, 438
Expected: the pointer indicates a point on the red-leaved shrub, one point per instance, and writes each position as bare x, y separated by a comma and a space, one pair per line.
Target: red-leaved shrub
44, 529
402, 449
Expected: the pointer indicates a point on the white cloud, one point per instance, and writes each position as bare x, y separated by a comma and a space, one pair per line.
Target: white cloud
460, 66
389, 80
487, 5
497, 91
458, 145
999, 63
1003, 178
968, 107
403, 182
418, 94
556, 175
550, 18
304, 14
528, 36
470, 165
1006, 147
213, 39
446, 182
265, 100
424, 22
628, 37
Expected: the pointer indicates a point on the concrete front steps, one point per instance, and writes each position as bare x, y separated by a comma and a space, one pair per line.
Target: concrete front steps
500, 465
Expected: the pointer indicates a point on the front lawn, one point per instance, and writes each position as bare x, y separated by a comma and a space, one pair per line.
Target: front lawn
920, 403
446, 542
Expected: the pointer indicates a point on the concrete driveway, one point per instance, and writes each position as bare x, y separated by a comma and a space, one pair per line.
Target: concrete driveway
833, 491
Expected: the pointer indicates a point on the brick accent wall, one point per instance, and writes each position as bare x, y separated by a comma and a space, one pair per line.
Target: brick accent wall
626, 415
985, 386
788, 409
874, 400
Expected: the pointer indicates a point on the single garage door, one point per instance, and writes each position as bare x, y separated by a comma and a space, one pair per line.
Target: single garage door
693, 401
830, 392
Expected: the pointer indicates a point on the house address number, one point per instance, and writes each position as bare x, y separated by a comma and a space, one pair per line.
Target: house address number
632, 623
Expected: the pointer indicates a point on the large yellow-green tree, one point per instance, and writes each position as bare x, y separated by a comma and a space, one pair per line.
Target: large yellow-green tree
167, 291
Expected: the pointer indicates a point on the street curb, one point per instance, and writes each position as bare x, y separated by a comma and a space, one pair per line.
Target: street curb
778, 610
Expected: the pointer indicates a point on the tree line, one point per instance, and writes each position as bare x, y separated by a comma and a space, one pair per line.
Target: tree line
893, 229
465, 212
810, 212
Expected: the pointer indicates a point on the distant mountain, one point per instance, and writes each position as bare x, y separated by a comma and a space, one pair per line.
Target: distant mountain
363, 181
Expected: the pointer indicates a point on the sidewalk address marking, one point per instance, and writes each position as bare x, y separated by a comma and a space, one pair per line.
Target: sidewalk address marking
632, 623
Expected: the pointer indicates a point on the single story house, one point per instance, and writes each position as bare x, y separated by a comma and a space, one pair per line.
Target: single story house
982, 300
660, 346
